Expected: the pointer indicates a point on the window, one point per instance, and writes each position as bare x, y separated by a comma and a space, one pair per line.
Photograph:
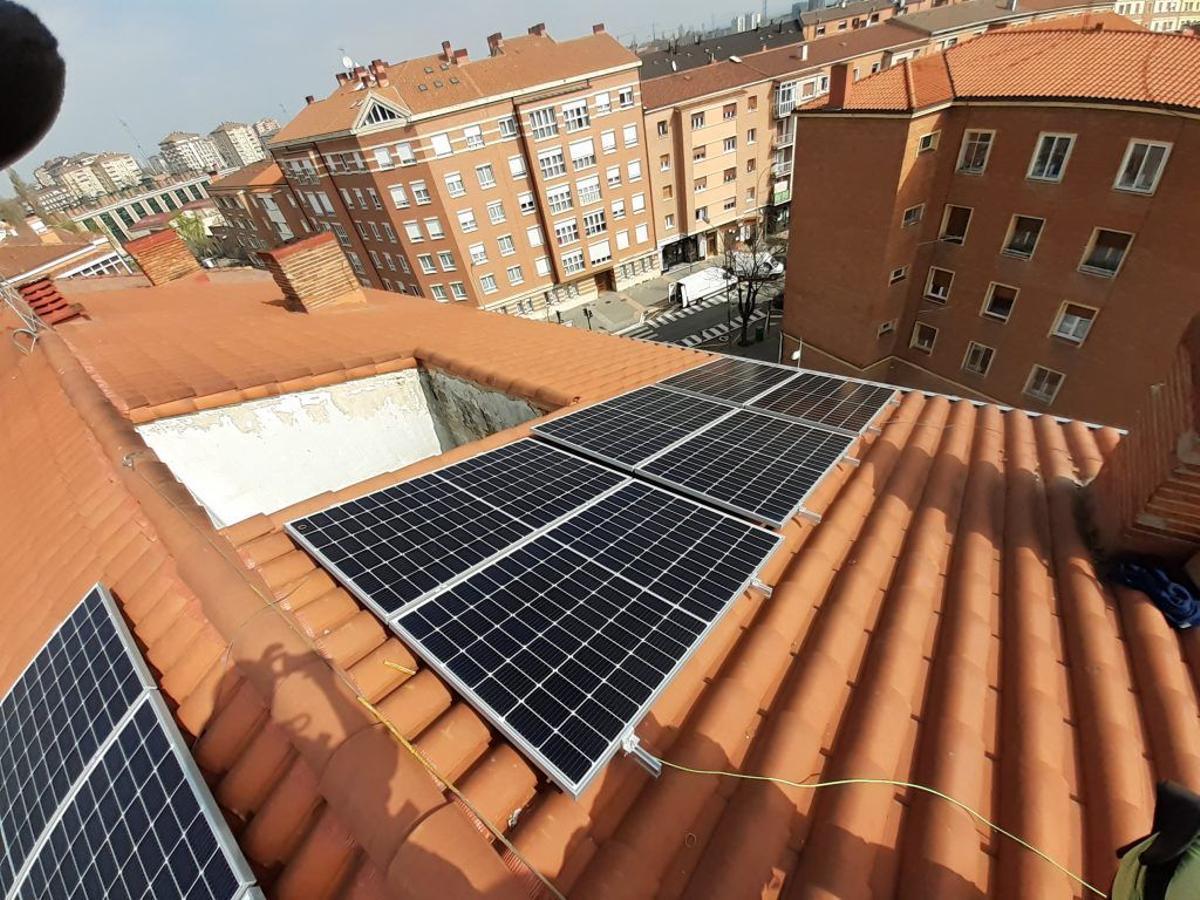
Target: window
898, 275
474, 137
342, 236
355, 262
937, 285
374, 195
559, 198
589, 190
599, 252
383, 157
955, 222
362, 200
413, 232
526, 203
487, 177
514, 275
488, 283
1142, 166
391, 235
700, 184
663, 128
642, 233
634, 168
603, 103
458, 290
508, 129
978, 358
594, 223
534, 235
551, 163
927, 143
668, 223
664, 163
575, 116
455, 185
613, 176
439, 292
573, 262
375, 231
637, 203
668, 191
608, 141
446, 260
440, 144
495, 211
751, 165
583, 154
404, 153
542, 123
542, 265
506, 245
347, 198
913, 215
750, 194
751, 135
404, 264
886, 328
1043, 384
999, 302
923, 337
420, 192
516, 166
629, 135
697, 120
1073, 322
976, 147
729, 111
699, 153
1106, 252
433, 227
1050, 159
731, 203
425, 261
362, 230
1023, 236
702, 214
625, 97
752, 102
566, 232
466, 220
478, 254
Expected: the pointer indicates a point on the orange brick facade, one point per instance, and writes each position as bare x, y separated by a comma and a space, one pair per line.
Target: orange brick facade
862, 174
261, 212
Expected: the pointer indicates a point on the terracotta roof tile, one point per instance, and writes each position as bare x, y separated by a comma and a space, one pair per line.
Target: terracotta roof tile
258, 174
1033, 63
943, 623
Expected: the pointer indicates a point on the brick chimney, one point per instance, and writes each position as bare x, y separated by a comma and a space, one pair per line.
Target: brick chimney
839, 83
447, 52
1146, 498
461, 56
312, 273
495, 44
163, 256
538, 30
598, 28
309, 100
43, 298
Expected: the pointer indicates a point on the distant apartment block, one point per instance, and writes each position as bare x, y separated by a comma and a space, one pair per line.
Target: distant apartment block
185, 152
260, 210
237, 143
54, 198
511, 182
117, 171
265, 128
80, 181
116, 215
1013, 219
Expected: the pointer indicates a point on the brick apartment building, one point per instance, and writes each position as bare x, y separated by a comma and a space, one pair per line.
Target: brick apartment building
1013, 219
511, 182
260, 211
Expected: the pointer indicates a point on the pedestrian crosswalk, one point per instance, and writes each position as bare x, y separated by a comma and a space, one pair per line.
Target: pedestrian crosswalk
674, 315
718, 331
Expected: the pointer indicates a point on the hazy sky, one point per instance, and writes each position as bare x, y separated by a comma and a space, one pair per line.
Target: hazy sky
167, 65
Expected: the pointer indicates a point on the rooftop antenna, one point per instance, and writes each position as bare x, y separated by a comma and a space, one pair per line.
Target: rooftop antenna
136, 142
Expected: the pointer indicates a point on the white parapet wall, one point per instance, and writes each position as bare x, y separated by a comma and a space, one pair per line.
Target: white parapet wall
262, 456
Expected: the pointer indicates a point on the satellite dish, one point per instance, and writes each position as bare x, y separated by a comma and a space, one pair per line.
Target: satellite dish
347, 62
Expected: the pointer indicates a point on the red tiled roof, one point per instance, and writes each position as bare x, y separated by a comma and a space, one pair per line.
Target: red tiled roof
1038, 64
19, 257
527, 61
258, 174
943, 623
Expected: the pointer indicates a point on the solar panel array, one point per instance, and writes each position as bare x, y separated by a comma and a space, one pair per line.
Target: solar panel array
731, 379
827, 400
60, 822
565, 641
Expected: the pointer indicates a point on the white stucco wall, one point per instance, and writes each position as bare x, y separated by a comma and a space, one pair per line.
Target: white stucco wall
261, 456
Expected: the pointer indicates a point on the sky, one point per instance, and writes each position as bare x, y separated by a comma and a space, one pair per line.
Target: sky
171, 65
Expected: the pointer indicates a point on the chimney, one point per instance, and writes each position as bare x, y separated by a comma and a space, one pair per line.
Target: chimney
43, 297
312, 273
839, 82
381, 77
163, 256
495, 44
360, 71
1011, 4
342, 77
1147, 493
447, 54
309, 100
598, 28
804, 52
538, 30
461, 56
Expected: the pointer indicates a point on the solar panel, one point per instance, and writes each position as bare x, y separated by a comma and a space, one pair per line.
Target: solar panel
752, 463
140, 824
827, 400
60, 710
731, 379
564, 642
630, 427
398, 544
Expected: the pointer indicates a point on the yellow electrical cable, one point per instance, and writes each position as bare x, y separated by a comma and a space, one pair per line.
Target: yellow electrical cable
813, 785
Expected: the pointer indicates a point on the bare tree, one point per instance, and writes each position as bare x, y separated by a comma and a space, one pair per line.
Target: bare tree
754, 262
194, 234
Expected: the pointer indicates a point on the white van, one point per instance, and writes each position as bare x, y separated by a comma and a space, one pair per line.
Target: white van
695, 287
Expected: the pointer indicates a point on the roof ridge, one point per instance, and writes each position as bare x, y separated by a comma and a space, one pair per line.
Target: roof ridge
909, 88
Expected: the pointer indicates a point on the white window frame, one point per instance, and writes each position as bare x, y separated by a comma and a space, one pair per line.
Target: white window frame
1005, 250
543, 123
987, 156
455, 186
946, 222
477, 253
440, 145
520, 275
916, 344
1060, 318
467, 221
488, 284
495, 212
1033, 371
473, 137
485, 175
928, 142
990, 294
929, 294
1091, 244
1133, 142
1037, 148
511, 247
920, 214
971, 345
897, 275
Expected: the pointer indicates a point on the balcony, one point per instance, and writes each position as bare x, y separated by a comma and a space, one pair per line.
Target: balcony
783, 108
781, 196
781, 170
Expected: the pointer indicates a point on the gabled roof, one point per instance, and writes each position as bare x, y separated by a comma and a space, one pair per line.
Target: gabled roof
843, 11
263, 173
943, 623
1140, 67
430, 83
19, 257
683, 55
954, 16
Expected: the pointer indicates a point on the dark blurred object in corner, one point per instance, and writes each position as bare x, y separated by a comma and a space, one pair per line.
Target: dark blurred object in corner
32, 76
